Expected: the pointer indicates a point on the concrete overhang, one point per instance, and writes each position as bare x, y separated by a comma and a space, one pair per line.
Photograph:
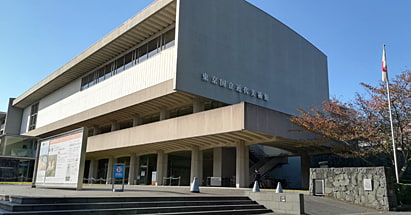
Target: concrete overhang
222, 127
154, 18
144, 102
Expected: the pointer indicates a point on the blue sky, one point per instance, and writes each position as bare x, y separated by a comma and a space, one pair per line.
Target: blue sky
38, 37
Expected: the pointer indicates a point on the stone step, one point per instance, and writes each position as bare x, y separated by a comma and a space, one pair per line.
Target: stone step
10, 206
131, 205
221, 209
47, 200
237, 212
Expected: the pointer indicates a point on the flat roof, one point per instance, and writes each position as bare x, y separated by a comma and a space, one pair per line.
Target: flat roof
154, 18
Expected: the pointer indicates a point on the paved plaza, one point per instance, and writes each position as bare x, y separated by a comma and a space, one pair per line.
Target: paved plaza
313, 205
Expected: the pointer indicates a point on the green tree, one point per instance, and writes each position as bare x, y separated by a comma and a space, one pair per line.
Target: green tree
362, 127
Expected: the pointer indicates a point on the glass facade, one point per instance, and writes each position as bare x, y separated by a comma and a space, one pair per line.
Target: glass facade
17, 158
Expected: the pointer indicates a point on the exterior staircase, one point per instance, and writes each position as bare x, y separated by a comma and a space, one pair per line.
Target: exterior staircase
131, 205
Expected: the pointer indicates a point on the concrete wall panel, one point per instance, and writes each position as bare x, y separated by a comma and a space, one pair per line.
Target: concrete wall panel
69, 100
210, 122
238, 43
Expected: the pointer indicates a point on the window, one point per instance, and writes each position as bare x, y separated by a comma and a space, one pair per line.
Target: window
152, 47
107, 71
128, 60
142, 53
33, 116
101, 74
168, 39
84, 83
120, 65
131, 58
91, 80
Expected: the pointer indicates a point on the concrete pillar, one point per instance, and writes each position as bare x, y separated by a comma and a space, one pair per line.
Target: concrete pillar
217, 162
92, 171
160, 167
247, 166
164, 113
198, 105
134, 163
195, 168
114, 126
165, 164
137, 120
240, 165
201, 180
305, 171
110, 165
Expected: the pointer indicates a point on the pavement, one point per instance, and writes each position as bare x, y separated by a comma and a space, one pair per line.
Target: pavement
314, 205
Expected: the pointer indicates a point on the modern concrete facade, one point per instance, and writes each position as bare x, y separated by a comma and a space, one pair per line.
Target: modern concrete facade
184, 89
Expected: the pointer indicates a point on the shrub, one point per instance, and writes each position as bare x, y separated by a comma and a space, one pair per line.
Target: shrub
403, 193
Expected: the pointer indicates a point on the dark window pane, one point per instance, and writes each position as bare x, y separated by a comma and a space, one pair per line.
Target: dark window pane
152, 47
169, 38
91, 80
33, 116
128, 60
120, 64
142, 53
107, 71
100, 75
84, 83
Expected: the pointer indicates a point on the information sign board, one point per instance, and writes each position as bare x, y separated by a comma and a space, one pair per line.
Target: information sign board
60, 160
118, 171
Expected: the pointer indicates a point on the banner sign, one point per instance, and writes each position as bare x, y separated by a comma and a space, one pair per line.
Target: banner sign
60, 160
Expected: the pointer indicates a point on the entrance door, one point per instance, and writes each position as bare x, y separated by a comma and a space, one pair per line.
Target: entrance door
148, 164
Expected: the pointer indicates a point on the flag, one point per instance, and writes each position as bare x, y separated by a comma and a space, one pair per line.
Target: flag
384, 66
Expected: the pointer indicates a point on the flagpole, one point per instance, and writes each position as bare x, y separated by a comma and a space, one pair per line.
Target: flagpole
385, 79
394, 148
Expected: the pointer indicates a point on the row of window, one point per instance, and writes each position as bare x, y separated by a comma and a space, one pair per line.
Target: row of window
33, 116
130, 59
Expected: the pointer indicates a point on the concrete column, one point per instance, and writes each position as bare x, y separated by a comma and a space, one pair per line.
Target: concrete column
92, 171
110, 165
240, 165
247, 166
114, 126
198, 105
195, 168
137, 120
160, 167
217, 162
164, 113
201, 180
132, 169
165, 164
305, 171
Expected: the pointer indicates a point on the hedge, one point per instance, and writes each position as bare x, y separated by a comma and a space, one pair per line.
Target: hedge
403, 193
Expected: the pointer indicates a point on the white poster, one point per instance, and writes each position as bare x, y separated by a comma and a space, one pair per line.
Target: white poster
60, 160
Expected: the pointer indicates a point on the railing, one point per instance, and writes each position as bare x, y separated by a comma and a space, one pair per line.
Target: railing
170, 179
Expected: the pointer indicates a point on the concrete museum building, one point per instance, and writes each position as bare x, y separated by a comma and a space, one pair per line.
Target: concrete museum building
185, 89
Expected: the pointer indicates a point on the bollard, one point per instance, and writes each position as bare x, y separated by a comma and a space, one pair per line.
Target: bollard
194, 188
279, 188
256, 187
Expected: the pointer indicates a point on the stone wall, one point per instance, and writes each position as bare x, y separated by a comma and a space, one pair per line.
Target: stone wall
365, 186
281, 203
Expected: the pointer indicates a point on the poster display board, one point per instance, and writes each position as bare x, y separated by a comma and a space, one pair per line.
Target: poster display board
61, 159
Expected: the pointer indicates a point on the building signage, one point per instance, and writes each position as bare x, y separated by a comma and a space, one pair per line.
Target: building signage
239, 88
367, 184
